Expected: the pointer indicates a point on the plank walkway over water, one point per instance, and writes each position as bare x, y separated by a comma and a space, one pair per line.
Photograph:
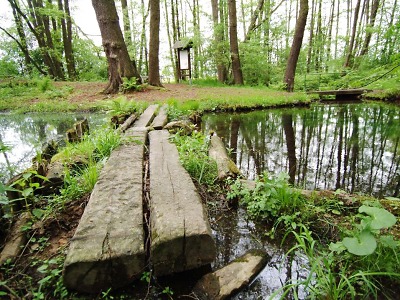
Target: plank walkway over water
108, 249
340, 94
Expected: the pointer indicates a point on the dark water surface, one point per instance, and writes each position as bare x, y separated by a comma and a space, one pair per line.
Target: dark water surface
25, 134
353, 147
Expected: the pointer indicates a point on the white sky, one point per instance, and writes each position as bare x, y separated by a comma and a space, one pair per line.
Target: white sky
82, 12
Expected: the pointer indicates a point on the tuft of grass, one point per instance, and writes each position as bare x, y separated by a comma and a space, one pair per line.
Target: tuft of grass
193, 153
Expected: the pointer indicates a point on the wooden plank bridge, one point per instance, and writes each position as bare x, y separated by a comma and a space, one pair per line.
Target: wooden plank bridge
340, 94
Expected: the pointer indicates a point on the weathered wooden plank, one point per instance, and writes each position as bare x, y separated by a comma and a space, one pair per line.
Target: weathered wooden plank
146, 117
107, 249
161, 119
181, 236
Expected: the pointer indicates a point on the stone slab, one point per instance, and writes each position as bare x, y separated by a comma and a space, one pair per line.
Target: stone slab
228, 280
146, 117
161, 119
107, 249
181, 236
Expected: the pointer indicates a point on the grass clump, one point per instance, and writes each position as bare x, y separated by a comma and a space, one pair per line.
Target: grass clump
193, 153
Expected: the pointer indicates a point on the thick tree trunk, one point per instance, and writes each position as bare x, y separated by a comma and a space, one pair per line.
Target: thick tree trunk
119, 63
234, 45
154, 45
296, 46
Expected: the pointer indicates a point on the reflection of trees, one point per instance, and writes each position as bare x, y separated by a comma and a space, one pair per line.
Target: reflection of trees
351, 147
28, 133
287, 122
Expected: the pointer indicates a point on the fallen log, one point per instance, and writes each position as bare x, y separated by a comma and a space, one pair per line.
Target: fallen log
217, 151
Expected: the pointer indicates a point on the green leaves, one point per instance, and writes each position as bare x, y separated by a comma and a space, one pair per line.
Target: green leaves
364, 244
378, 217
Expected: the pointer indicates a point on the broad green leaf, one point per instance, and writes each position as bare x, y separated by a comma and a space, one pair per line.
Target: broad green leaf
388, 241
381, 218
365, 244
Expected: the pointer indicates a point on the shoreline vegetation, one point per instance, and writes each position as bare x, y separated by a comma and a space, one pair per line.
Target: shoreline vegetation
337, 269
45, 95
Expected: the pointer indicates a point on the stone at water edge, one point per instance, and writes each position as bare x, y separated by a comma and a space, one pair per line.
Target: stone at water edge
230, 279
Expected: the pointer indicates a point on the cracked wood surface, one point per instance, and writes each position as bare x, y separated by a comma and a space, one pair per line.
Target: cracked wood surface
181, 236
107, 249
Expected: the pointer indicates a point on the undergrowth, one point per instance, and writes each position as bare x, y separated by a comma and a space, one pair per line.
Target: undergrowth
360, 260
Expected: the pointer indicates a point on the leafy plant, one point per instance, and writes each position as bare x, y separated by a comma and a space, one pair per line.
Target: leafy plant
271, 197
121, 105
331, 276
364, 240
130, 84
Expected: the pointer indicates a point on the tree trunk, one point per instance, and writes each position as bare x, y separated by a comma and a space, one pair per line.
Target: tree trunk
143, 41
311, 38
119, 63
66, 27
22, 41
176, 34
253, 20
296, 46
329, 39
234, 46
349, 57
368, 35
127, 24
222, 71
154, 45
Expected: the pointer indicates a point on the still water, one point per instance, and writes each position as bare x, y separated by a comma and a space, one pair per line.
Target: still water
353, 147
24, 134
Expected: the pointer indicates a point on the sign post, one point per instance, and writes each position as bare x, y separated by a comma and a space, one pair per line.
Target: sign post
184, 64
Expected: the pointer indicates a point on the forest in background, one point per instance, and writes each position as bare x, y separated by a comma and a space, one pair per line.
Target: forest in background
356, 37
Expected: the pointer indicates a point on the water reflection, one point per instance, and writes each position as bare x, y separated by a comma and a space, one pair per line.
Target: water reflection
235, 235
351, 147
25, 134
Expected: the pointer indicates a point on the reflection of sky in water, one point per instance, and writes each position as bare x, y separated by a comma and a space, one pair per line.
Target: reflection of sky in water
25, 135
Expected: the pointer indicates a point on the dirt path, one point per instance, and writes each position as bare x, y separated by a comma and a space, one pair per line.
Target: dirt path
91, 91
